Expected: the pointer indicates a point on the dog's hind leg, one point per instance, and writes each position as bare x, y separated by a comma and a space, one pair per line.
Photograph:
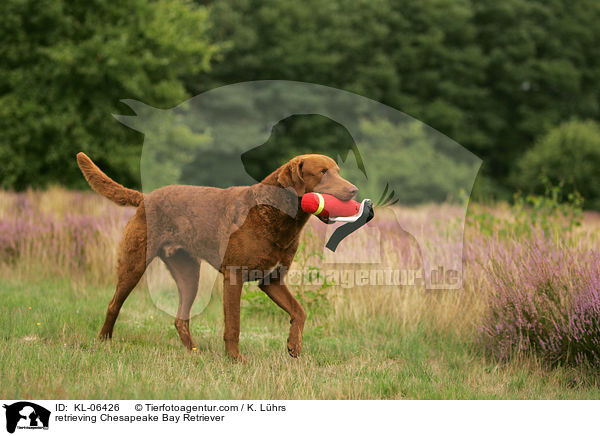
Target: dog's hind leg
186, 272
131, 264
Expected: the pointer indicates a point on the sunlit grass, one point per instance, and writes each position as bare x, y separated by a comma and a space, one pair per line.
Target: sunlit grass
343, 357
366, 342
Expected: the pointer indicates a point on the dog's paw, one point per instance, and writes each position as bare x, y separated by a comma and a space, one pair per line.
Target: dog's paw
293, 348
237, 358
231, 347
103, 336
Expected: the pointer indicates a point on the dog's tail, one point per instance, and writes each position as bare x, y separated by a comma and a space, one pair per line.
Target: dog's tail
106, 186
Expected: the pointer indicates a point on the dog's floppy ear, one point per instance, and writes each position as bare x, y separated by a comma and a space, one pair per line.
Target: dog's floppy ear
291, 176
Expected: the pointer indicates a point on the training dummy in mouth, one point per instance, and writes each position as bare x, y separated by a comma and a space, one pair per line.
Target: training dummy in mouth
330, 209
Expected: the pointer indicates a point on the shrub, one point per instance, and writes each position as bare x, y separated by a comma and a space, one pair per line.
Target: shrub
59, 233
546, 302
553, 214
568, 154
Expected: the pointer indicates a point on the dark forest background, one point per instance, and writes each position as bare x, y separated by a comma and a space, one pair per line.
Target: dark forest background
516, 82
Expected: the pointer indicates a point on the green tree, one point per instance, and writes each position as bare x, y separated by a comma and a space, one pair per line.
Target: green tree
543, 68
568, 154
65, 66
418, 57
493, 76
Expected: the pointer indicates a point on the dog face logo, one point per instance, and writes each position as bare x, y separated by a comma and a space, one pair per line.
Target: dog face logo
26, 415
393, 159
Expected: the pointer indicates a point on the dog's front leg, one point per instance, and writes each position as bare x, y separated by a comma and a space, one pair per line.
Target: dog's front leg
232, 293
281, 295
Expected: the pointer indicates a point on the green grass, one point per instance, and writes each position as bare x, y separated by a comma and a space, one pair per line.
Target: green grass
345, 358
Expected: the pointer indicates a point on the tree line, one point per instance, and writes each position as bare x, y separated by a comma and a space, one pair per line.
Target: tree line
496, 77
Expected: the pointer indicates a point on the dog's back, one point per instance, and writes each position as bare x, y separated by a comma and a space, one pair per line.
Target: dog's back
198, 219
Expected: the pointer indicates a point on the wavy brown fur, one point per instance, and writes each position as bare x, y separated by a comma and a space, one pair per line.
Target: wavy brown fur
232, 229
106, 186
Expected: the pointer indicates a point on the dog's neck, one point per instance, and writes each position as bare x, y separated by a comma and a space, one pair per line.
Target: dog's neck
273, 178
285, 226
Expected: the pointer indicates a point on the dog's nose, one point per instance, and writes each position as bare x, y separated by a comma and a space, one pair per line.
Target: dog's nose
352, 190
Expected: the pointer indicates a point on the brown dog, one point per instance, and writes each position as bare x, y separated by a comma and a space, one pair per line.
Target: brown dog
238, 229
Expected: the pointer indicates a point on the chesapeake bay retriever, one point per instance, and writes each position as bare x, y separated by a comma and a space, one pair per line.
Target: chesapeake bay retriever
236, 230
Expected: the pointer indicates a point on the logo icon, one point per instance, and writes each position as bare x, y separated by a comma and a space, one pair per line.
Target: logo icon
26, 415
223, 137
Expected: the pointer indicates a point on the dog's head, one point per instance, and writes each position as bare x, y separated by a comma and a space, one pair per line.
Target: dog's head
315, 173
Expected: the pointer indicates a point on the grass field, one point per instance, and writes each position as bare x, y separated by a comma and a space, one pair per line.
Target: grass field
358, 343
50, 351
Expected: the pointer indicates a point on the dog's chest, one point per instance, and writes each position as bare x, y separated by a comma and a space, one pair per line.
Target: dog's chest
271, 261
273, 258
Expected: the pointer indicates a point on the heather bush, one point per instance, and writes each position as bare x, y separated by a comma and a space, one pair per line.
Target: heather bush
58, 233
545, 301
577, 338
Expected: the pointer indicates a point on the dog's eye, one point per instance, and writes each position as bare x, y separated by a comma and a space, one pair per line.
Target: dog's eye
324, 170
